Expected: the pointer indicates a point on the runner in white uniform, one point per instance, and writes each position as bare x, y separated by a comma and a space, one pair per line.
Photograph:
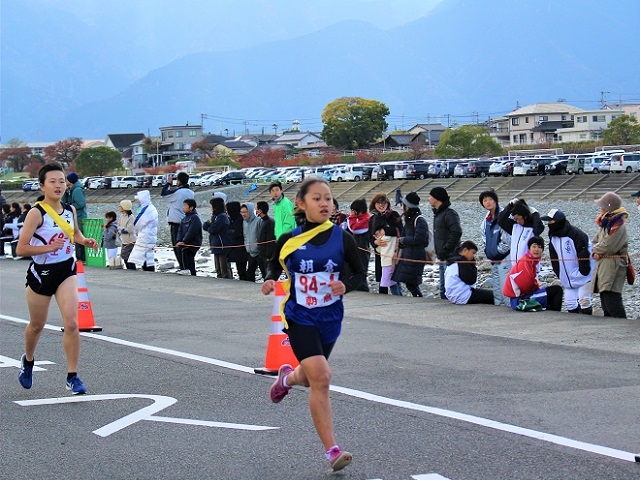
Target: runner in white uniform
47, 237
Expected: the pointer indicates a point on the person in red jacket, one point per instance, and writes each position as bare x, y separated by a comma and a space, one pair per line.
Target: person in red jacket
522, 280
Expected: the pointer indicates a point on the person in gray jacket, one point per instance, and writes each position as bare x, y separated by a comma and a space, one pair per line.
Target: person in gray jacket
446, 230
176, 197
250, 229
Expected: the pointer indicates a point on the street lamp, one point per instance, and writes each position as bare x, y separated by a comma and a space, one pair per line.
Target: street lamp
275, 129
226, 132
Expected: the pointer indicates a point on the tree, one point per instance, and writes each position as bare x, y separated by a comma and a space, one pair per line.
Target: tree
353, 122
35, 165
64, 151
467, 141
203, 149
98, 161
17, 154
623, 130
418, 150
263, 157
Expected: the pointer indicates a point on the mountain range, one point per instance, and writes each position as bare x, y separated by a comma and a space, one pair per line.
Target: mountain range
466, 60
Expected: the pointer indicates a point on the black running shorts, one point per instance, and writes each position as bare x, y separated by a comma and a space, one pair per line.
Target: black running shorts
305, 341
45, 279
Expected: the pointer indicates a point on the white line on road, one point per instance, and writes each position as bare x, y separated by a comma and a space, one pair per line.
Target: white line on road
484, 422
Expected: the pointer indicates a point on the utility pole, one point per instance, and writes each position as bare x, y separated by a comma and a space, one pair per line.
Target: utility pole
602, 99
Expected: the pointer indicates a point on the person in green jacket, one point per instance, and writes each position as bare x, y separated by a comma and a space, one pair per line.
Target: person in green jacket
75, 196
282, 210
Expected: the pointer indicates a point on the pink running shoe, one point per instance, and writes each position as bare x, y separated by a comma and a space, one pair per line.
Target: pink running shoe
278, 390
337, 458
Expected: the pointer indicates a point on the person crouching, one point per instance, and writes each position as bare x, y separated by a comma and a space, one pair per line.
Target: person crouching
461, 276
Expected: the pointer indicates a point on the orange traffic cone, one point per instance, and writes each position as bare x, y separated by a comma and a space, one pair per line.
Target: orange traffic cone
279, 349
86, 322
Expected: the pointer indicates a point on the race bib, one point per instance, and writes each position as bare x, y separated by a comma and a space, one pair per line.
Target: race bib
312, 289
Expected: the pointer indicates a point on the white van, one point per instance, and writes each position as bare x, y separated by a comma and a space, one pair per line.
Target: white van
625, 162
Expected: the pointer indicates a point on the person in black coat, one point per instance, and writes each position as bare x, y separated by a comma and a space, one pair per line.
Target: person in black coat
447, 230
266, 237
189, 235
414, 238
238, 253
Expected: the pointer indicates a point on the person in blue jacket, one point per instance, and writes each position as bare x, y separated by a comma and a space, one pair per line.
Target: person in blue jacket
496, 245
189, 237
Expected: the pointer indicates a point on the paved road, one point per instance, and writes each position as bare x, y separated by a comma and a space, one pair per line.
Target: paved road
421, 389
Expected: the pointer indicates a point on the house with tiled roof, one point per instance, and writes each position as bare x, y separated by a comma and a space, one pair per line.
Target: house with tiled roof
298, 139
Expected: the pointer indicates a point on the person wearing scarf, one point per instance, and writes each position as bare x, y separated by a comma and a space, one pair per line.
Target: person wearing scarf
358, 225
384, 230
610, 246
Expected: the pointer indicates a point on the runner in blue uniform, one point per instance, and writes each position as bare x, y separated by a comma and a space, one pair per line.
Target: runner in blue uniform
314, 256
49, 232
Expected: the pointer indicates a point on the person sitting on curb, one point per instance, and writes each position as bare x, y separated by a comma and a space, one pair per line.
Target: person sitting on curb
522, 285
461, 276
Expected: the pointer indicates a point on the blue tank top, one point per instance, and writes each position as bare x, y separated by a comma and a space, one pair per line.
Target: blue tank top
312, 268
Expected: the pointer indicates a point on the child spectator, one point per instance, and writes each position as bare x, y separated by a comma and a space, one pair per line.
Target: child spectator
461, 276
5, 229
109, 237
570, 252
127, 232
189, 236
522, 282
12, 222
521, 222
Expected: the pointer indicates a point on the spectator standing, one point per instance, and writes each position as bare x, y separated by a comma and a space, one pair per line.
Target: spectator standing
282, 210
176, 197
13, 223
189, 236
570, 252
6, 232
75, 197
251, 229
610, 250
412, 243
219, 237
266, 237
3, 199
496, 245
358, 225
398, 197
146, 229
337, 217
109, 237
522, 281
384, 231
446, 230
461, 276
238, 253
521, 222
127, 232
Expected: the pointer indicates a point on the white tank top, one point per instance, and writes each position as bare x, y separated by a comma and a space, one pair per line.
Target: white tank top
48, 232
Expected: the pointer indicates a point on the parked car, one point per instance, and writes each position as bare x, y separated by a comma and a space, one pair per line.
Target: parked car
126, 182
384, 171
625, 162
97, 183
27, 184
157, 180
477, 168
559, 167
592, 165
460, 169
411, 171
350, 173
233, 177
605, 166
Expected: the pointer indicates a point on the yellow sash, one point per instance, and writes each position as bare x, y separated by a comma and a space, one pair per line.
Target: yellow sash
288, 248
68, 230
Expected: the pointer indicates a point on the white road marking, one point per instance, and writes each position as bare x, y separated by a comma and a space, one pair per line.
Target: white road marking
429, 476
484, 422
160, 402
6, 362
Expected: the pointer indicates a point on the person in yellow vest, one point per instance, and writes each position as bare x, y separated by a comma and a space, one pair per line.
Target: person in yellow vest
48, 234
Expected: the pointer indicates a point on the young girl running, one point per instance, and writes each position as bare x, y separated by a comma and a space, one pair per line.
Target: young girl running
313, 257
49, 232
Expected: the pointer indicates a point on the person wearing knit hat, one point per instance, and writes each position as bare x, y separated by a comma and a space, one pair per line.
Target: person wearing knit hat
412, 243
521, 222
496, 245
610, 250
127, 232
570, 252
446, 230
74, 195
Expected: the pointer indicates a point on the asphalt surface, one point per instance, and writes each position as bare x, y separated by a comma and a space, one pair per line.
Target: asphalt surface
421, 389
